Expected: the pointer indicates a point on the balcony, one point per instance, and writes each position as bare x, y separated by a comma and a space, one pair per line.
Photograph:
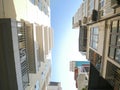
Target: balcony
82, 38
113, 75
23, 53
14, 55
95, 59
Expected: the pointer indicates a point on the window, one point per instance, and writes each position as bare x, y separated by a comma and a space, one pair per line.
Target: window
101, 10
101, 4
94, 37
118, 40
114, 47
117, 56
101, 13
91, 4
111, 53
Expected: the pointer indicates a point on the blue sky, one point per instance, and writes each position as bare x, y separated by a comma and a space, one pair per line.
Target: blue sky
65, 46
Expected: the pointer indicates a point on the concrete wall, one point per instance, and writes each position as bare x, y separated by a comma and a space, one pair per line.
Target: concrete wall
41, 76
106, 47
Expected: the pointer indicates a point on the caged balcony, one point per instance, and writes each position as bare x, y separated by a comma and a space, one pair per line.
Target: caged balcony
113, 75
83, 39
95, 59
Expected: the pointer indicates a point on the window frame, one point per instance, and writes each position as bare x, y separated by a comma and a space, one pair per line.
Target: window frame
92, 35
117, 35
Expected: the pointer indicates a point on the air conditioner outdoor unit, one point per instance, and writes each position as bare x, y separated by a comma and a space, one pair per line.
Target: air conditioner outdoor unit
115, 3
84, 20
94, 16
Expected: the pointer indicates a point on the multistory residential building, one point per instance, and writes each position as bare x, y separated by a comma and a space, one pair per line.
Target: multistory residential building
81, 73
80, 22
102, 47
82, 81
54, 86
81, 76
76, 20
26, 39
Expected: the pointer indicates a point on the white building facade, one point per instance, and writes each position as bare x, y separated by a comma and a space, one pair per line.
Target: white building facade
27, 24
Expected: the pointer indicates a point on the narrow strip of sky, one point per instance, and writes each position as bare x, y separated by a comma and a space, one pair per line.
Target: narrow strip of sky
65, 41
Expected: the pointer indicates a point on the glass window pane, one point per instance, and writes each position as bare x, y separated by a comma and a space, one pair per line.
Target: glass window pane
90, 40
118, 41
95, 30
91, 36
91, 44
95, 38
91, 31
111, 53
117, 56
91, 5
114, 26
113, 39
95, 45
114, 29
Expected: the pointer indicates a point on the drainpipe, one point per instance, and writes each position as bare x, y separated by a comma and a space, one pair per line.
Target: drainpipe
104, 54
